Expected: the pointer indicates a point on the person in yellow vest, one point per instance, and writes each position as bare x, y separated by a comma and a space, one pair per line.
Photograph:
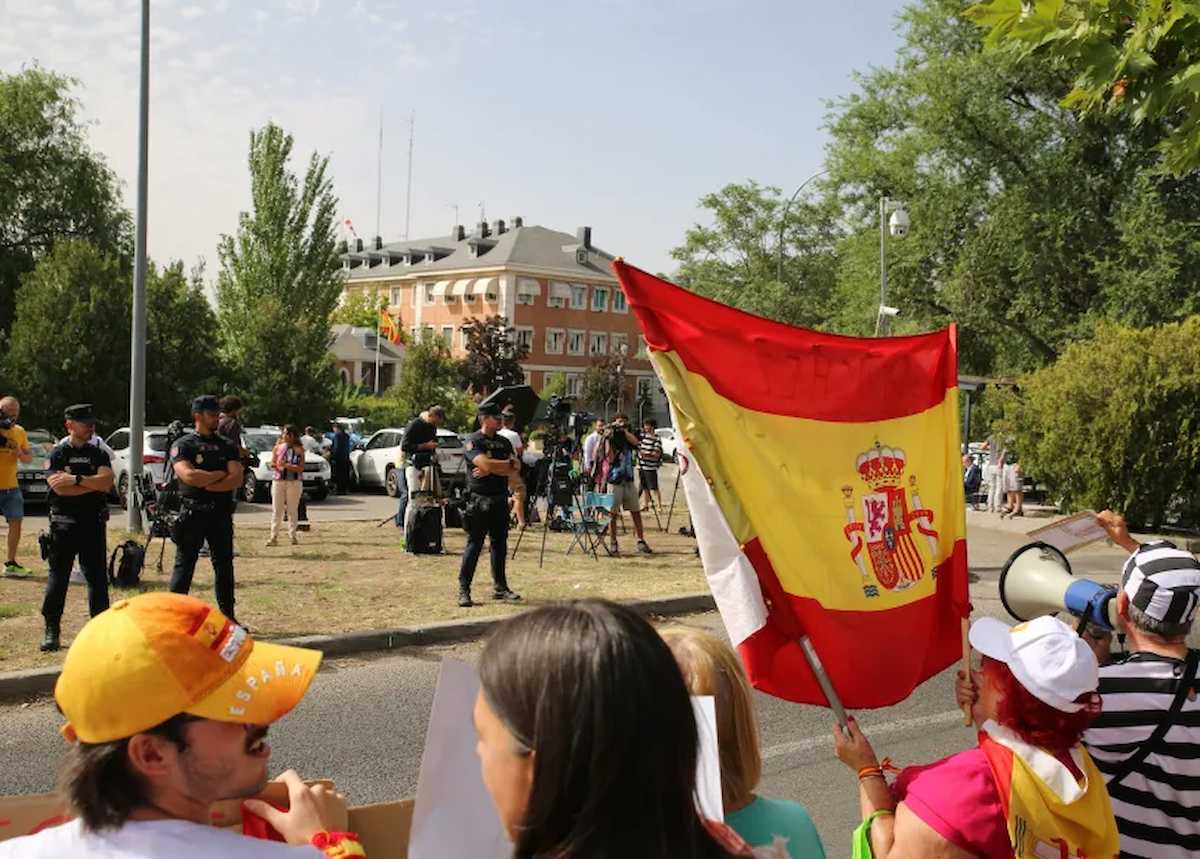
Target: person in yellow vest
1028, 789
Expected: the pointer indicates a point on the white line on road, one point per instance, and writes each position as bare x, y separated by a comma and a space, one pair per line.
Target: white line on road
871, 731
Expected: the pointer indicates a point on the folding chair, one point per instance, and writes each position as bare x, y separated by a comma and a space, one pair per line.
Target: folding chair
589, 522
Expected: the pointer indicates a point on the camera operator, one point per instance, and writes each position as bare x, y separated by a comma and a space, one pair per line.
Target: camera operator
516, 484
492, 460
210, 470
80, 478
616, 451
420, 452
14, 448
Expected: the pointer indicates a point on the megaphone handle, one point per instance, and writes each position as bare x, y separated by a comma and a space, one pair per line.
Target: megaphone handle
968, 718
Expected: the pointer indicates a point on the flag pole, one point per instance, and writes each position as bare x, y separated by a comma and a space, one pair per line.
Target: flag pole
968, 717
378, 314
818, 670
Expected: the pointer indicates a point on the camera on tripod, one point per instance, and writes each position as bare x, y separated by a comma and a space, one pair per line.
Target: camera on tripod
561, 414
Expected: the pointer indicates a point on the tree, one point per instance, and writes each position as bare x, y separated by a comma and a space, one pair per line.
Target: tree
1129, 56
279, 283
493, 355
735, 260
53, 187
1114, 423
605, 387
430, 376
360, 309
182, 341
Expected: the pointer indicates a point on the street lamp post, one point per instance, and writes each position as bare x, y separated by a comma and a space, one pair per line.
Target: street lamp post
898, 225
783, 222
137, 368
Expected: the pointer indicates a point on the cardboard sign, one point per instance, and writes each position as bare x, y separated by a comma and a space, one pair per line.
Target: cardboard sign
1071, 533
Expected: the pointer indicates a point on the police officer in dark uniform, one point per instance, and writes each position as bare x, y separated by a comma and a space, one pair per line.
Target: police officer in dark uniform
492, 460
209, 469
80, 477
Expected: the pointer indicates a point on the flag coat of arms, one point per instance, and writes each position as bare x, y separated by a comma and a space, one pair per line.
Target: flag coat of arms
388, 329
825, 491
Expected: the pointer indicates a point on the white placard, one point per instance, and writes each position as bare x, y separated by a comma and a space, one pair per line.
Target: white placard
1073, 532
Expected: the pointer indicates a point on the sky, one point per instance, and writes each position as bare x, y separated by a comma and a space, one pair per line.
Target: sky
616, 114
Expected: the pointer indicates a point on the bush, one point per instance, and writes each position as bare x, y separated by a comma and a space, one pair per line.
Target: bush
1115, 422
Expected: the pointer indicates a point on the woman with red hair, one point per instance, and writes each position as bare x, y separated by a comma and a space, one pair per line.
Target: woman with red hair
1029, 789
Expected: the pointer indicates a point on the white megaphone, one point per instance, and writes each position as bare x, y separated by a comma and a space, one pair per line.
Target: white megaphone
1037, 580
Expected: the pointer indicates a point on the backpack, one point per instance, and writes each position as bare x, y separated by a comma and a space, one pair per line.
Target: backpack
128, 573
425, 534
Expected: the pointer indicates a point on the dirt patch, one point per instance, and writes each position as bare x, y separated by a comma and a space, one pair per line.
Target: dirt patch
350, 576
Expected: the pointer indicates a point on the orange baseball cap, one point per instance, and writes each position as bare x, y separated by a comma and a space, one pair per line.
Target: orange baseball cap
157, 655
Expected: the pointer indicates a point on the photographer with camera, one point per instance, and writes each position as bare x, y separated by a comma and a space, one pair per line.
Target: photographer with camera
14, 448
80, 478
209, 469
615, 460
492, 459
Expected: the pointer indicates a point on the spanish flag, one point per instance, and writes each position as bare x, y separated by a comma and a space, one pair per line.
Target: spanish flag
825, 491
388, 327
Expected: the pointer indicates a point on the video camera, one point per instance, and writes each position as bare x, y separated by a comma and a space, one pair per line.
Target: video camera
561, 414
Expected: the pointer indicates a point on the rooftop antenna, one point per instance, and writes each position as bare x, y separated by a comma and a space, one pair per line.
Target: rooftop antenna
379, 180
454, 206
412, 131
482, 214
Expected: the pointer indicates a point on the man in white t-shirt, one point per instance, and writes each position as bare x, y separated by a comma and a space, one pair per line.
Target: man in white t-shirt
516, 485
591, 445
167, 705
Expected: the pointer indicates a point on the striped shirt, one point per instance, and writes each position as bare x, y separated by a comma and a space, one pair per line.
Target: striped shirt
649, 451
1157, 806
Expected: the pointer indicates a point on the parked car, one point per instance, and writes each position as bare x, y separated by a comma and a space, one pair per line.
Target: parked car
256, 485
666, 435
154, 457
31, 476
375, 463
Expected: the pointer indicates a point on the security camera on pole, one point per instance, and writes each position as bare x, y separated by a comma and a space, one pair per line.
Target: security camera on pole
897, 225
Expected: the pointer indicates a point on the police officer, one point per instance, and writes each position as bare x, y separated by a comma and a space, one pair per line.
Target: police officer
492, 460
209, 471
80, 477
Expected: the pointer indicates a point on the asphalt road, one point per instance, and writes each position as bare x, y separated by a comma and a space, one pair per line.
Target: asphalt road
363, 724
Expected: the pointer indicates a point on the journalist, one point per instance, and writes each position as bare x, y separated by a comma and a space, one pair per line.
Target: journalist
209, 469
591, 445
616, 452
419, 448
80, 477
14, 448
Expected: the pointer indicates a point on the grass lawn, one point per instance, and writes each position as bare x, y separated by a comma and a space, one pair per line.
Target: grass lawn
347, 576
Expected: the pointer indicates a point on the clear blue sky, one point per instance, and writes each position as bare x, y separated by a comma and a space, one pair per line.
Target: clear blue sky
612, 113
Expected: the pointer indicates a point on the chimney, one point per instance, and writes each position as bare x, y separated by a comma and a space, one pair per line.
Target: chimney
518, 222
498, 227
458, 233
343, 246
358, 246
482, 227
379, 243
584, 236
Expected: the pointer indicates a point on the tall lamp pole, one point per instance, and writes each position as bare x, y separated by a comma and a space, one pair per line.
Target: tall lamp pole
137, 364
898, 225
783, 222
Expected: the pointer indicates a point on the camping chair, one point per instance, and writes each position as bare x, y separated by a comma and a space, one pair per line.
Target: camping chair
589, 521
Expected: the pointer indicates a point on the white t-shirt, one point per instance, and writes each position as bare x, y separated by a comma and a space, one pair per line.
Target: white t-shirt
514, 438
149, 838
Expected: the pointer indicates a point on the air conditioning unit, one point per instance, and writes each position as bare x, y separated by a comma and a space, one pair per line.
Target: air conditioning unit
581, 256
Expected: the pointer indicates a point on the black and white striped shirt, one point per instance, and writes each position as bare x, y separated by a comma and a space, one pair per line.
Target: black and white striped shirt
1157, 806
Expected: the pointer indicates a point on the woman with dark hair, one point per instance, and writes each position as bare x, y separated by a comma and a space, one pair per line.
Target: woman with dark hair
587, 739
1028, 789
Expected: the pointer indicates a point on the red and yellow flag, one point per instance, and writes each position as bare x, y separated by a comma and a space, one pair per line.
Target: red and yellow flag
388, 327
828, 499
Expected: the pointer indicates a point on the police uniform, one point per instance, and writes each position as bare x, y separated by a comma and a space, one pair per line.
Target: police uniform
77, 528
486, 513
205, 516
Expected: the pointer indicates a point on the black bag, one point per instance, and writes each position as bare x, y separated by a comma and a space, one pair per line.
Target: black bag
424, 536
128, 573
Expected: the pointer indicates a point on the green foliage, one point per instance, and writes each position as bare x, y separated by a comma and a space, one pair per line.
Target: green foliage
360, 309
555, 386
279, 283
735, 260
1140, 58
52, 185
1115, 422
429, 376
493, 355
182, 339
604, 384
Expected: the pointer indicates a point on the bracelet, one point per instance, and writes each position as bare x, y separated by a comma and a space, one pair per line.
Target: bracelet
339, 845
868, 772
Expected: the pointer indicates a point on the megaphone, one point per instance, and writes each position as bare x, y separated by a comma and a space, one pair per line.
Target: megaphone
1037, 580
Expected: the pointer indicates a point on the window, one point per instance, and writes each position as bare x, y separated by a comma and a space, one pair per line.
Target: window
469, 299
526, 299
599, 298
578, 297
619, 341
575, 342
428, 287
490, 298
556, 301
555, 339
428, 333
619, 303
643, 351
598, 344
119, 440
574, 385
528, 378
395, 298
448, 336
525, 338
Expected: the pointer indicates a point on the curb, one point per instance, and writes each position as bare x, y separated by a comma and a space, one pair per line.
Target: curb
38, 682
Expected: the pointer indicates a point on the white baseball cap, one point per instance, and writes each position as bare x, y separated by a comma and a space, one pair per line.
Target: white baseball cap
1044, 654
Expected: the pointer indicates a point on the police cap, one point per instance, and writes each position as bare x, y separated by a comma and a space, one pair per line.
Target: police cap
206, 403
81, 412
489, 410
